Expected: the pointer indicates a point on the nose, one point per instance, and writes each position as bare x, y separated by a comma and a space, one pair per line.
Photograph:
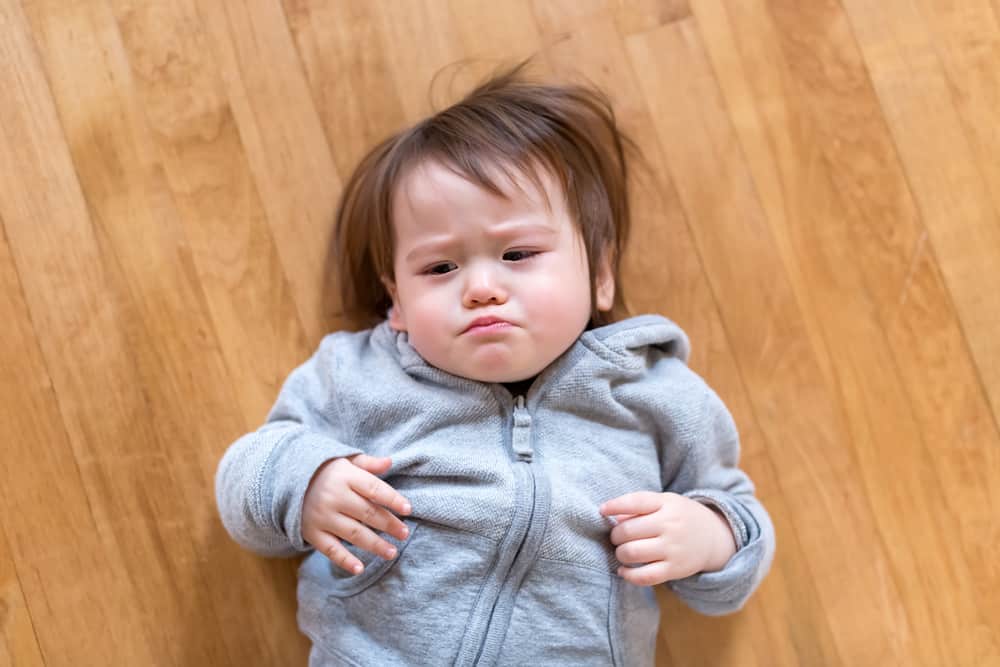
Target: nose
483, 288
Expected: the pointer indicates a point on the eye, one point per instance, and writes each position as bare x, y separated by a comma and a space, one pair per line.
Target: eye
441, 269
518, 255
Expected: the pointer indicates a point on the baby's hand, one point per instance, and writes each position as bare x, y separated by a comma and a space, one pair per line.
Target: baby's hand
675, 535
342, 497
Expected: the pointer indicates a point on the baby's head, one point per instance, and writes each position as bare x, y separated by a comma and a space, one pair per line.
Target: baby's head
509, 206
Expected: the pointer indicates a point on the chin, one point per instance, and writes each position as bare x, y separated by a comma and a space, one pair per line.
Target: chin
484, 376
500, 374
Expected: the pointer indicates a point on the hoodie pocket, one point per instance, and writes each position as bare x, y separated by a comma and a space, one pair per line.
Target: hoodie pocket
562, 615
635, 619
412, 609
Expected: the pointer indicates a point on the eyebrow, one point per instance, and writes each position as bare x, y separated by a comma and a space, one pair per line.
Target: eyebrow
500, 231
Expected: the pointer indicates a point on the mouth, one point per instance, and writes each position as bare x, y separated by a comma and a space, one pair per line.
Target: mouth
483, 324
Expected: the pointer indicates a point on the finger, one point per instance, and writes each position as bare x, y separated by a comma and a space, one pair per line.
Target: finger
373, 464
338, 554
373, 488
618, 518
375, 516
640, 551
647, 575
640, 502
360, 536
636, 528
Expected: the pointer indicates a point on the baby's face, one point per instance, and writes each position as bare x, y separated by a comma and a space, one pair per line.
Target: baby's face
464, 255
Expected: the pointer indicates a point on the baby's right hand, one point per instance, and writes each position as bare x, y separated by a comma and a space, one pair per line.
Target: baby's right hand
342, 497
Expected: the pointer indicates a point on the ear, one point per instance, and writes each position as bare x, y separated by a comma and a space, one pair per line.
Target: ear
605, 283
397, 319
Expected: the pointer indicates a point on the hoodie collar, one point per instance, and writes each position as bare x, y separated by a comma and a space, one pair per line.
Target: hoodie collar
625, 343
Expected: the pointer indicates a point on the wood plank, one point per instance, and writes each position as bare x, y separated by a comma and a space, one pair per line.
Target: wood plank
966, 39
671, 280
137, 244
282, 139
496, 33
205, 166
18, 641
634, 16
777, 361
194, 413
922, 106
62, 346
562, 18
837, 198
346, 58
193, 139
414, 62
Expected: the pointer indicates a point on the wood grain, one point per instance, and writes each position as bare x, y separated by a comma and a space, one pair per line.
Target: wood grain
772, 347
139, 227
772, 85
820, 212
933, 109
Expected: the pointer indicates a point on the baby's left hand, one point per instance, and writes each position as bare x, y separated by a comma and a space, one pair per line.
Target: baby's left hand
675, 535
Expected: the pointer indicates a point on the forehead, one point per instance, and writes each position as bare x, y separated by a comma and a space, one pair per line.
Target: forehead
431, 196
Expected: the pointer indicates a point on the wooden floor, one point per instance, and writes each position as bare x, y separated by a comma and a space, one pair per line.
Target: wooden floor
823, 219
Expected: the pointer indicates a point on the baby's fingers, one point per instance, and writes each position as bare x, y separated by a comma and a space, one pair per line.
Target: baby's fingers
639, 502
338, 554
371, 487
647, 575
375, 516
376, 465
360, 536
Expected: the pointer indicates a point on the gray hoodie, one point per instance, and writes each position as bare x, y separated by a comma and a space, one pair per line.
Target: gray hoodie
508, 561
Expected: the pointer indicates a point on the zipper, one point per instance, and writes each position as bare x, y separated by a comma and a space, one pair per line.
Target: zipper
503, 587
521, 432
520, 440
520, 422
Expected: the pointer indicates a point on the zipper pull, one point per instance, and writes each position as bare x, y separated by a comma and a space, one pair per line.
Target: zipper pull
521, 433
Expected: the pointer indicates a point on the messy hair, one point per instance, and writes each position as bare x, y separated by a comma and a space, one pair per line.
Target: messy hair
506, 125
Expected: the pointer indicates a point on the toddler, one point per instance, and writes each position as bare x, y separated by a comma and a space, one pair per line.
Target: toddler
498, 469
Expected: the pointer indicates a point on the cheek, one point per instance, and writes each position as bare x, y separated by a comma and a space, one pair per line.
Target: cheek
426, 312
556, 298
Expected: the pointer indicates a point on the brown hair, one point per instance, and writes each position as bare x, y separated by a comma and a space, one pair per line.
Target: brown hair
507, 123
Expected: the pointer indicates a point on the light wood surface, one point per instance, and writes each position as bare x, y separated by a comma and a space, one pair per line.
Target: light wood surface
822, 216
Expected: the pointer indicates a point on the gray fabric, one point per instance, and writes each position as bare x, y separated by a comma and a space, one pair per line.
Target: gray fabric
508, 561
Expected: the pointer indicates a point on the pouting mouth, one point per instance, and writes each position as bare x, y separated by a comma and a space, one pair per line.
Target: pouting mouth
484, 322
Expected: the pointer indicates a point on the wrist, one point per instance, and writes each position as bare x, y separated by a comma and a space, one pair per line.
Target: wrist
725, 541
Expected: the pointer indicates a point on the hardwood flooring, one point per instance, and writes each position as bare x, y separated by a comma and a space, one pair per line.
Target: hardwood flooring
822, 217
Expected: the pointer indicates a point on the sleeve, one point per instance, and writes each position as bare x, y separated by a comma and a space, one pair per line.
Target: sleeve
263, 476
708, 473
